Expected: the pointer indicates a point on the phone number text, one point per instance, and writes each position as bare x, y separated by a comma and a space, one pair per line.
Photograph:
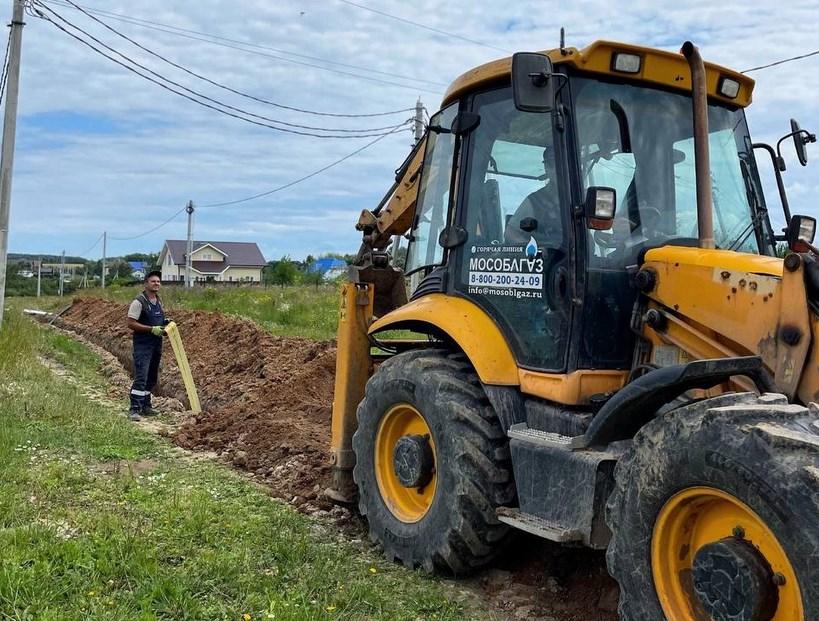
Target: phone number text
511, 281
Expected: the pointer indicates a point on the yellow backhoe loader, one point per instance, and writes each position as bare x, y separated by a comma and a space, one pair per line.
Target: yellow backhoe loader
612, 353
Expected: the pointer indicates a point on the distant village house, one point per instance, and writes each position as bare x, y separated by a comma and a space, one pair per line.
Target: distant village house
212, 261
52, 269
138, 269
328, 267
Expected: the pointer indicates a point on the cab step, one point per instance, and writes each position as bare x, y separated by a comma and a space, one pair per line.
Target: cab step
541, 438
562, 492
535, 525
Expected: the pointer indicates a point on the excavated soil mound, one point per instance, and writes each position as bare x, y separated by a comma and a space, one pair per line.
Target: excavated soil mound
266, 407
266, 400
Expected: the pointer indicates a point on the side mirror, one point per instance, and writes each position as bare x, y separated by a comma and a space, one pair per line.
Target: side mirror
599, 207
532, 82
799, 141
464, 122
528, 224
452, 237
800, 233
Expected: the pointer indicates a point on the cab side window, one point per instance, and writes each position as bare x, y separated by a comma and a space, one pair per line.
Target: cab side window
433, 195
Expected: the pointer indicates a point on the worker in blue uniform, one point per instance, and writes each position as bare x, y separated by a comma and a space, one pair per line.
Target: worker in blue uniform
146, 319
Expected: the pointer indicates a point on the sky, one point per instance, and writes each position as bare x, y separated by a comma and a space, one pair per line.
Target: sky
101, 149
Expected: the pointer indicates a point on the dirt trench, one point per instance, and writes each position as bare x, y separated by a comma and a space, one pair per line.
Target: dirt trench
266, 404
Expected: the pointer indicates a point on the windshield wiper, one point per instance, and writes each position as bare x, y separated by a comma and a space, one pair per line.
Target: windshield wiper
761, 212
756, 206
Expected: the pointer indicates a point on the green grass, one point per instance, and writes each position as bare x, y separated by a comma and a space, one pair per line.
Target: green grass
99, 520
48, 303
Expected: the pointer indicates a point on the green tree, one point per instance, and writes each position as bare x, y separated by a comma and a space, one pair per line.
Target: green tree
118, 269
347, 258
315, 278
283, 272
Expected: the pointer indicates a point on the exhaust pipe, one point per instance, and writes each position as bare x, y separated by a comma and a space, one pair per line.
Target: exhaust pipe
702, 160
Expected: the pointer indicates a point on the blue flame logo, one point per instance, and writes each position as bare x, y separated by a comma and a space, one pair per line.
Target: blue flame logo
531, 248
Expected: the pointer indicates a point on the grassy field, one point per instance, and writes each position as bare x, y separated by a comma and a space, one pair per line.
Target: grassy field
99, 520
285, 311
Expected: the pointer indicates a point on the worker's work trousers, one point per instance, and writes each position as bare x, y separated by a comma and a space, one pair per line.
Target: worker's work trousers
147, 354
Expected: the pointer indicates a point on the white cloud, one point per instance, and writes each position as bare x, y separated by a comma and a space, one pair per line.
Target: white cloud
72, 182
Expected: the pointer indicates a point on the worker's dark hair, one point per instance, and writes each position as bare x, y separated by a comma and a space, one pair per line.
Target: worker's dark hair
153, 273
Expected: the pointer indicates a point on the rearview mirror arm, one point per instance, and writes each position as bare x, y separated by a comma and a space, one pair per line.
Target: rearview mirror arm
807, 138
540, 78
780, 185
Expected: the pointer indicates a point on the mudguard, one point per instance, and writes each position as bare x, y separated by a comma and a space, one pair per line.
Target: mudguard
638, 402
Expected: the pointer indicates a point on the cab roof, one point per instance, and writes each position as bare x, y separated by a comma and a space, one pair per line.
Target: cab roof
657, 67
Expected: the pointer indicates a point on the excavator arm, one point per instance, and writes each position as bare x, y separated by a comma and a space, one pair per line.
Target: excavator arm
373, 288
393, 215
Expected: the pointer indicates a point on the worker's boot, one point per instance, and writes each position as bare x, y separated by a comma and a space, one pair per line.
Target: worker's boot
147, 408
134, 415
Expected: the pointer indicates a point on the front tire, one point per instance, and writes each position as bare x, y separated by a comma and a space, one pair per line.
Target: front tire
432, 463
715, 514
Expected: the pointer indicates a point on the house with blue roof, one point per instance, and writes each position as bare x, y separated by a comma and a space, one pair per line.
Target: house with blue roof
138, 269
328, 267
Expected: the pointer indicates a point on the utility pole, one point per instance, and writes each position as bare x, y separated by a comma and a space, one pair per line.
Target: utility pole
418, 128
104, 250
39, 271
419, 133
9, 132
419, 121
62, 272
189, 252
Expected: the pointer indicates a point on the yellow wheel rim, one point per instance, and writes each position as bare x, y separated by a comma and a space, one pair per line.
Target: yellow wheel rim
408, 504
698, 516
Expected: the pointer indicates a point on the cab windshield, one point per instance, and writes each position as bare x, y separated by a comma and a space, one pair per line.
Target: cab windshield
639, 141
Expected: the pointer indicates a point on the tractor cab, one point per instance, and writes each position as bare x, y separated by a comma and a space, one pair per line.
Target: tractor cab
506, 207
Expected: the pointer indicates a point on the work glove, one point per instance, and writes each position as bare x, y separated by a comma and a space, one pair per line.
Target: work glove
158, 331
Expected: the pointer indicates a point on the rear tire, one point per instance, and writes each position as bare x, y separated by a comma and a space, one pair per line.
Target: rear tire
457, 529
737, 468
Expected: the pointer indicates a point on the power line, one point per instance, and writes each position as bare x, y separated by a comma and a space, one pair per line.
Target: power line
261, 194
169, 29
237, 45
218, 84
369, 131
292, 183
782, 62
223, 86
89, 249
149, 231
5, 68
424, 26
206, 98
